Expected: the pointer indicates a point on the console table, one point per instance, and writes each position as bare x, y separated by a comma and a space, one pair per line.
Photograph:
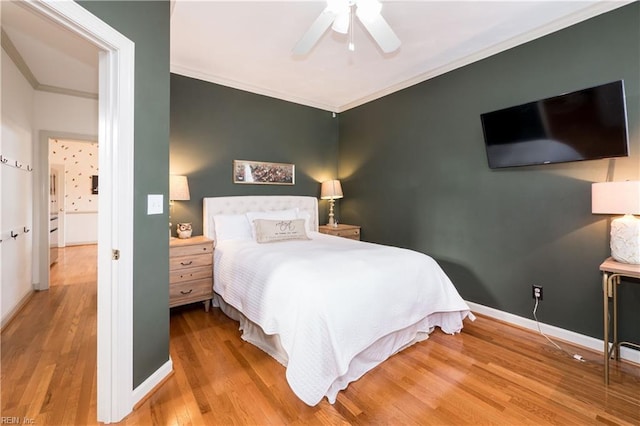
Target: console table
612, 271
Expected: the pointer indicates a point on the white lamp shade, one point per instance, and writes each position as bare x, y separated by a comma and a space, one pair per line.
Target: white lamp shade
615, 197
620, 198
178, 188
331, 190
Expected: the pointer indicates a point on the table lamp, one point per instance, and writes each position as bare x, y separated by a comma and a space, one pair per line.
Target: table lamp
178, 191
331, 190
620, 198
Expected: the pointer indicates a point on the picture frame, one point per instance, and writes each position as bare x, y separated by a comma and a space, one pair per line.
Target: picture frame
263, 173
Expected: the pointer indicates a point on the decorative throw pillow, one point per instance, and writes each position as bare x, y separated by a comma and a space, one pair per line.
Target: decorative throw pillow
269, 231
271, 215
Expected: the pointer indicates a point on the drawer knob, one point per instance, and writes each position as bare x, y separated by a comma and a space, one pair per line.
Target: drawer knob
186, 263
186, 292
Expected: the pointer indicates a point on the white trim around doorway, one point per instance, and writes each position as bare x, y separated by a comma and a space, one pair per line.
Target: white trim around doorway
115, 218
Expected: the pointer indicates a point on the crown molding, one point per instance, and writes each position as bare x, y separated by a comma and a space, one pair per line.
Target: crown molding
24, 69
234, 84
17, 59
65, 91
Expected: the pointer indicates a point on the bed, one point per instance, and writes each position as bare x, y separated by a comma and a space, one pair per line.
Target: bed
327, 308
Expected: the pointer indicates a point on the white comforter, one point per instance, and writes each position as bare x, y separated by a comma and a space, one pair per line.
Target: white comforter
330, 298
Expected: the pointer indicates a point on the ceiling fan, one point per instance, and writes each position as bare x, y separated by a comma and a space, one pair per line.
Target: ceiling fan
339, 14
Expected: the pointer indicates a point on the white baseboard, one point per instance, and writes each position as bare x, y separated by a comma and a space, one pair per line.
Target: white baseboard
149, 385
80, 243
626, 353
16, 309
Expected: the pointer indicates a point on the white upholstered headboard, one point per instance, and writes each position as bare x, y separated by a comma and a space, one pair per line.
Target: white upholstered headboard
212, 206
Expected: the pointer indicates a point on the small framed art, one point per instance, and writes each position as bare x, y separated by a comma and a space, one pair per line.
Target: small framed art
260, 172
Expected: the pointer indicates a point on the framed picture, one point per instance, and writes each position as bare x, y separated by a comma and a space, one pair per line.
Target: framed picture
259, 172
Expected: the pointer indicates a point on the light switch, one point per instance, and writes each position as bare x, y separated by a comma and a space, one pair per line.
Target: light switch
154, 204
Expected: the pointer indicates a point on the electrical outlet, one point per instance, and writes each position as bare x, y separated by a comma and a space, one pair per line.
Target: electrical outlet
536, 292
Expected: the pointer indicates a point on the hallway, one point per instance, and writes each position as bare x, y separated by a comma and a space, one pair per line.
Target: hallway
49, 349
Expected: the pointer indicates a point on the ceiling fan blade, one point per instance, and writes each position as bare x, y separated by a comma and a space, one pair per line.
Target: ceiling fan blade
380, 31
313, 34
341, 23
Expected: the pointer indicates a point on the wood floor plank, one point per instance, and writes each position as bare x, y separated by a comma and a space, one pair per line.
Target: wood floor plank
491, 373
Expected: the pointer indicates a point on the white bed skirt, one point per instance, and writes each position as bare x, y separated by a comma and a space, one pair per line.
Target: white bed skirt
374, 355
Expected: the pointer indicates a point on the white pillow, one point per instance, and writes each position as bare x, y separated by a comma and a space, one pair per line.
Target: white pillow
271, 231
231, 227
307, 219
271, 215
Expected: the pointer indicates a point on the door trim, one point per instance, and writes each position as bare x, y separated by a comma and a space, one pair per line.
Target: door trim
60, 211
115, 217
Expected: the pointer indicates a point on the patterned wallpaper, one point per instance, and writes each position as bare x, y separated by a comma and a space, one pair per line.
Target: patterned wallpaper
80, 160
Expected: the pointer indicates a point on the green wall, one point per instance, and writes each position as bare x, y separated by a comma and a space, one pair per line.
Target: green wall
146, 23
415, 174
212, 125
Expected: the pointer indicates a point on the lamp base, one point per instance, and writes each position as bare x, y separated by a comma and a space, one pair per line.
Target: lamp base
625, 240
332, 220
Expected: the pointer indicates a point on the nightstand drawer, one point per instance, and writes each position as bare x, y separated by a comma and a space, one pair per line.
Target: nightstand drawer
196, 290
182, 262
190, 250
188, 274
351, 233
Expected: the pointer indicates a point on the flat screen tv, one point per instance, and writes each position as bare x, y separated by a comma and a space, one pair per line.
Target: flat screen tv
586, 124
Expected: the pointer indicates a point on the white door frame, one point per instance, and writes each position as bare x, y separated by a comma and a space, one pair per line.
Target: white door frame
115, 217
59, 196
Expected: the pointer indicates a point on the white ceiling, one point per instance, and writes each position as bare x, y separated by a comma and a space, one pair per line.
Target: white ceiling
247, 45
56, 57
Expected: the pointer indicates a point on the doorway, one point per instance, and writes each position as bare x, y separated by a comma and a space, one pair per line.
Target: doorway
75, 163
60, 151
115, 278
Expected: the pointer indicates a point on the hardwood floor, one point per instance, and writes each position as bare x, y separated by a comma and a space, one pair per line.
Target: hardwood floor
491, 373
49, 350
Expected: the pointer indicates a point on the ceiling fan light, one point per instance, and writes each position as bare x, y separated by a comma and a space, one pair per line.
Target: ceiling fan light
368, 9
341, 23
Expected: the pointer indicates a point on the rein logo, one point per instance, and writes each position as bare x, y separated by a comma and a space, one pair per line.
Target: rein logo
5, 420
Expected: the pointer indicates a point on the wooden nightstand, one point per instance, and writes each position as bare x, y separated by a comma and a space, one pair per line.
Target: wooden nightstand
190, 271
346, 231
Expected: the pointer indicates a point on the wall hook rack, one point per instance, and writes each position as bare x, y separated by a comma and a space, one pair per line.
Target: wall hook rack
15, 163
